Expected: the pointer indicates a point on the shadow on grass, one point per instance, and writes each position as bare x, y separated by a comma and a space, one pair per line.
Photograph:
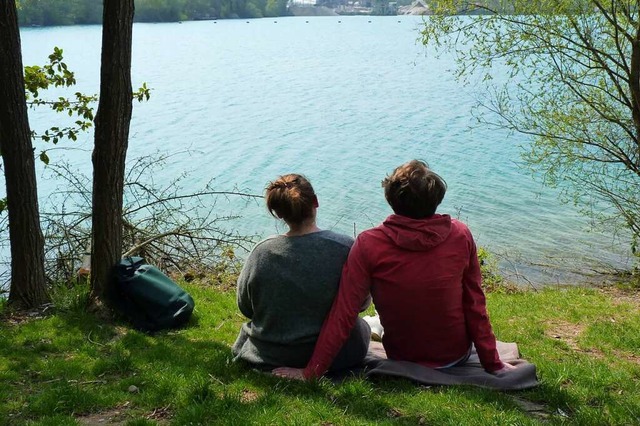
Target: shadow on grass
215, 389
73, 363
196, 378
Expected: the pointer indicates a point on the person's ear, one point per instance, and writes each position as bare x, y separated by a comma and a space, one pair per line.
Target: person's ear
315, 202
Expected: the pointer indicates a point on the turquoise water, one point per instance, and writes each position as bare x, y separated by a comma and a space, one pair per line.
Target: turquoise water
343, 100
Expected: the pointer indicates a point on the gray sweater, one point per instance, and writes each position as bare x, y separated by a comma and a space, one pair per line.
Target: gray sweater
286, 288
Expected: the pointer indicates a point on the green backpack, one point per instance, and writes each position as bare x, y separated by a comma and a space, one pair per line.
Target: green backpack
149, 299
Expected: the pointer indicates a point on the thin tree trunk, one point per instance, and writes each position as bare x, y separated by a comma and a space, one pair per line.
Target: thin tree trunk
634, 87
28, 287
111, 141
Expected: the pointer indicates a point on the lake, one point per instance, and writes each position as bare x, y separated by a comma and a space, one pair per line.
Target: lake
342, 100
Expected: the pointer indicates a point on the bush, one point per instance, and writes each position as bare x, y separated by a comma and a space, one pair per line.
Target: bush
492, 280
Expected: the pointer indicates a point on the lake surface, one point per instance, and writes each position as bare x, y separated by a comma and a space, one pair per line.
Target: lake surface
342, 100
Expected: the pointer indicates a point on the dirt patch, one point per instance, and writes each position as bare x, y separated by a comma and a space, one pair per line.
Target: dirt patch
628, 356
17, 316
565, 331
119, 417
394, 413
111, 417
248, 396
569, 333
623, 296
160, 415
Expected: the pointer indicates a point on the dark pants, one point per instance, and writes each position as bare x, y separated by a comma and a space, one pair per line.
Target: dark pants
351, 355
354, 350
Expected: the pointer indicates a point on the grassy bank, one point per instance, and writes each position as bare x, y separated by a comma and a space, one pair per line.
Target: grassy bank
67, 367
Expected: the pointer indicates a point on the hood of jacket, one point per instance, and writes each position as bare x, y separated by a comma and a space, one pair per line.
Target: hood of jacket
417, 234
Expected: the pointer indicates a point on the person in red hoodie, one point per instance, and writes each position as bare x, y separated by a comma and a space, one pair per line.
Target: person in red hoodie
422, 270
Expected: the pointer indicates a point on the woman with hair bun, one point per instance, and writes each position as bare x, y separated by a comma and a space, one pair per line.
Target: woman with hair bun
288, 284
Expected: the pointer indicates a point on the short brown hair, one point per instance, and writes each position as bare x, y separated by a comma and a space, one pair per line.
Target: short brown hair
413, 190
291, 198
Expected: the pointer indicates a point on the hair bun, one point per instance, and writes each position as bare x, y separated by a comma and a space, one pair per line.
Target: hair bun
290, 197
278, 185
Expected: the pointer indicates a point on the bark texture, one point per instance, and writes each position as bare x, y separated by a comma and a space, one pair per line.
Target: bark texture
28, 286
111, 141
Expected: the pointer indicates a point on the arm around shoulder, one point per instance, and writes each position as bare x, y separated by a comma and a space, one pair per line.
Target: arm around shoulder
355, 285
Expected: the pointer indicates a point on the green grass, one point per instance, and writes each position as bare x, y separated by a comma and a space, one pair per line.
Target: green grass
72, 368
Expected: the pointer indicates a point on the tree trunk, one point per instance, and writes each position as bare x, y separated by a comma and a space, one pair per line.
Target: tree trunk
634, 87
28, 288
111, 141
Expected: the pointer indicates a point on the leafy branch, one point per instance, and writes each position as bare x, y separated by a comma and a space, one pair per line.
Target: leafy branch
56, 74
571, 83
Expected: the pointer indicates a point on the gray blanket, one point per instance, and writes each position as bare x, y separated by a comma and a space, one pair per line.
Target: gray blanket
469, 373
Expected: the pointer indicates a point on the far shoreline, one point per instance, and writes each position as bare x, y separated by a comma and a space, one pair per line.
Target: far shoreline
295, 11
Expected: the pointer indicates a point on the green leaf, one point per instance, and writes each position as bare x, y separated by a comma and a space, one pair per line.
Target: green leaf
44, 158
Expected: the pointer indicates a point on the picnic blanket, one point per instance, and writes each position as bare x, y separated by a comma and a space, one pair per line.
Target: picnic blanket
469, 373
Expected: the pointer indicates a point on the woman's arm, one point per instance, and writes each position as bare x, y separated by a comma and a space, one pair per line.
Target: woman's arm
243, 290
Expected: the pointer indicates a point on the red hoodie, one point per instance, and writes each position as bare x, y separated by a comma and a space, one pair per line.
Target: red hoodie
424, 278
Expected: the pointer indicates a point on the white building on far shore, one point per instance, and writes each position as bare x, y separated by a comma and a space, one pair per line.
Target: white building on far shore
418, 7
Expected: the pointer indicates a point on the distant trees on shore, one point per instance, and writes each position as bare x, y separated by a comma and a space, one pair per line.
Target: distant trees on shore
70, 12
